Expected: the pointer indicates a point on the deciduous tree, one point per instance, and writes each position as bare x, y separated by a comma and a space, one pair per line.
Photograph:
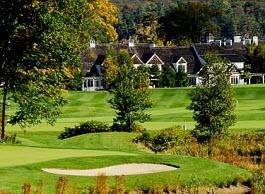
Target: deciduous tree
213, 103
130, 94
104, 15
40, 46
188, 21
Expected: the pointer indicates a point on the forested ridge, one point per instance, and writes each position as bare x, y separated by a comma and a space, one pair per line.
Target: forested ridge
235, 17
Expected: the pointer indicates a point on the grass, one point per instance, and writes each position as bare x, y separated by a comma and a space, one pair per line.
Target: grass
23, 163
98, 141
20, 155
169, 108
193, 171
40, 147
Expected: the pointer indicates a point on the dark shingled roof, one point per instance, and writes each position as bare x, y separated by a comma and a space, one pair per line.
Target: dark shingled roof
168, 54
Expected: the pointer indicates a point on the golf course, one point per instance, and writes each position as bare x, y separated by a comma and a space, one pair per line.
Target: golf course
39, 147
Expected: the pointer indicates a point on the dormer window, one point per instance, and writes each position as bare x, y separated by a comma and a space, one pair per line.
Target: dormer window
136, 61
155, 60
180, 63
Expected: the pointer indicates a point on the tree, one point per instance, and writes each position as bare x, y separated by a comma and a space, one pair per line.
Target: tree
246, 74
168, 76
103, 13
188, 21
40, 45
258, 59
147, 31
181, 77
130, 94
110, 69
213, 103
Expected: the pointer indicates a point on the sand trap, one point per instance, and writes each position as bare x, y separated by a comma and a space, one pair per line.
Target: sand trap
118, 170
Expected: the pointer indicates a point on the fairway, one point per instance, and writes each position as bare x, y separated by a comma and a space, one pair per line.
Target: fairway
40, 148
169, 108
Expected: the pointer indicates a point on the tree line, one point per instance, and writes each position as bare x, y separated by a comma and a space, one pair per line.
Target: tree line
142, 19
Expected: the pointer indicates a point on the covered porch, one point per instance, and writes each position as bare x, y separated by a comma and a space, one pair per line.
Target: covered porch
92, 83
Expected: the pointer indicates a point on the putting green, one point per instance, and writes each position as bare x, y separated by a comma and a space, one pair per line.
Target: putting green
20, 155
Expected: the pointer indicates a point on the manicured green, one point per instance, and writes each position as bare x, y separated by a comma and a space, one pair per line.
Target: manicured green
20, 155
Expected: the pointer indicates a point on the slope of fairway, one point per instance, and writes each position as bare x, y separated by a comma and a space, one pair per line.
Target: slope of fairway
117, 141
169, 108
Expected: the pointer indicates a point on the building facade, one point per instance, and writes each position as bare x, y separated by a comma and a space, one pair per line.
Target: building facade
190, 58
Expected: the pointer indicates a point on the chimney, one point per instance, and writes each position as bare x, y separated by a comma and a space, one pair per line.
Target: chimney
209, 38
255, 40
92, 43
152, 45
237, 39
131, 42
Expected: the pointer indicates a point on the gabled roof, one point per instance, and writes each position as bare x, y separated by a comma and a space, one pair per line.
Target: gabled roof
232, 57
155, 60
234, 69
136, 60
99, 60
180, 60
164, 55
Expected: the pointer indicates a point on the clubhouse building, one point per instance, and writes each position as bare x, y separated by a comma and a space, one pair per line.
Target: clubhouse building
190, 58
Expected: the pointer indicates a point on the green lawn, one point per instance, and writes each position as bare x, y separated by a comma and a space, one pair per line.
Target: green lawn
169, 108
20, 155
40, 147
23, 164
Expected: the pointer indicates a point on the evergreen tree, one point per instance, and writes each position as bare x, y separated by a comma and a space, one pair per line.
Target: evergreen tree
168, 76
181, 77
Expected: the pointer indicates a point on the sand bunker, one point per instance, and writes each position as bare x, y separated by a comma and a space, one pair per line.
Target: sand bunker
118, 170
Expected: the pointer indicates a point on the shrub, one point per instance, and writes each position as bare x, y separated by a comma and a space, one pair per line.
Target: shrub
169, 138
258, 182
84, 128
10, 139
120, 127
144, 138
101, 185
165, 140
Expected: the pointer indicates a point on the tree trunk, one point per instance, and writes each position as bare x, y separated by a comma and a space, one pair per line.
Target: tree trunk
3, 114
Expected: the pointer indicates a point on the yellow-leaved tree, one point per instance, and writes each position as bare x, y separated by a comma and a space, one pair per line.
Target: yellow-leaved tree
104, 14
